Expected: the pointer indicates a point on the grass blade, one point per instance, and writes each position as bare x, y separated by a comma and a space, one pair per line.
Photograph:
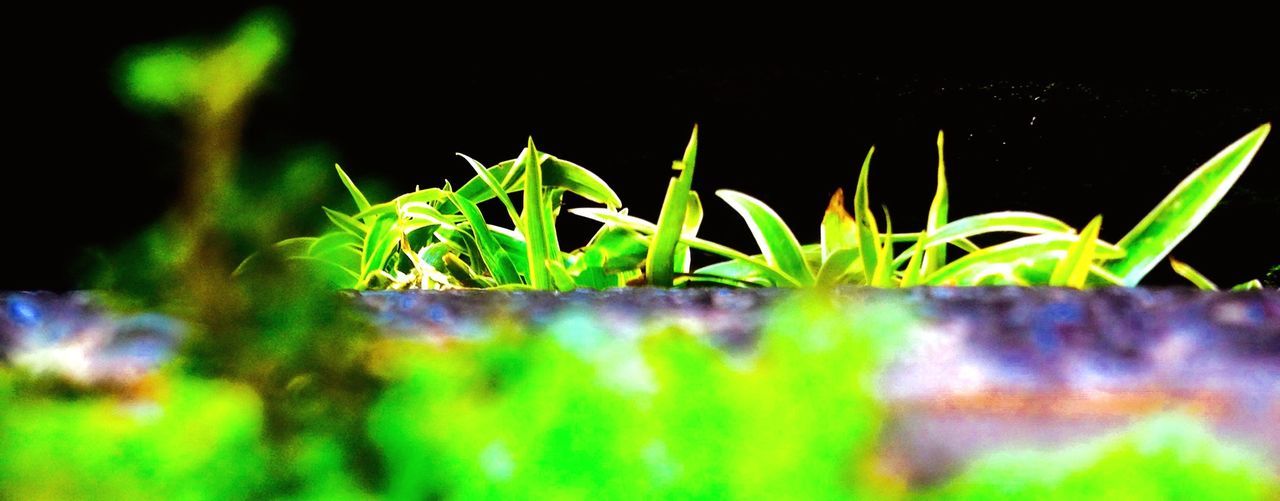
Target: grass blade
996, 222
1184, 208
936, 257
836, 266
660, 262
346, 223
1252, 285
494, 186
692, 222
779, 245
1186, 271
1025, 248
1072, 270
560, 277
535, 224
362, 203
882, 276
577, 179
427, 196
914, 272
648, 229
868, 235
492, 253
379, 244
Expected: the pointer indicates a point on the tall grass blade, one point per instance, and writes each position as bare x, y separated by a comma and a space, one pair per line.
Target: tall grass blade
692, 222
1072, 270
868, 235
660, 262
936, 257
535, 223
379, 244
1184, 208
491, 252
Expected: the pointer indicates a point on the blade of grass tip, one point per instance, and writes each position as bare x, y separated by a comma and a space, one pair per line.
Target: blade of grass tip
777, 242
1184, 208
1073, 269
346, 223
936, 257
660, 262
495, 186
838, 230
362, 203
1252, 285
692, 222
883, 274
1192, 275
535, 213
478, 191
491, 252
868, 235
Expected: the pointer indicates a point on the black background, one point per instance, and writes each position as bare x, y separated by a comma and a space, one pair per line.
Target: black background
1070, 131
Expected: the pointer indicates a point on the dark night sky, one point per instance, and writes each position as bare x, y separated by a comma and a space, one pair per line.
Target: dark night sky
394, 97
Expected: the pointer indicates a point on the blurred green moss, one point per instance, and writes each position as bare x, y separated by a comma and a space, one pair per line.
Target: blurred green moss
1166, 457
577, 412
201, 440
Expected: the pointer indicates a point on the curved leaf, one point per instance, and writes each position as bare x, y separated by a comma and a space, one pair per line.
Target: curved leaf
779, 245
1184, 208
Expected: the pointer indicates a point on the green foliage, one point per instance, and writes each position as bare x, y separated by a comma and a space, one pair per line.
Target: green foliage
1184, 208
660, 262
200, 441
851, 248
1166, 457
215, 77
580, 412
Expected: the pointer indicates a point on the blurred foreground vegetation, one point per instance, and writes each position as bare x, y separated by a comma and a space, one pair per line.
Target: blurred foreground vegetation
280, 392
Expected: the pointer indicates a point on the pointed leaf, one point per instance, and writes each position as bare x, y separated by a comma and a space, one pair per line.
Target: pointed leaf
779, 245
1073, 269
494, 256
362, 203
535, 221
868, 235
1184, 208
1189, 273
936, 257
660, 262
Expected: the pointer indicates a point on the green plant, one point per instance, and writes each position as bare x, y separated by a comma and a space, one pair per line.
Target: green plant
444, 241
